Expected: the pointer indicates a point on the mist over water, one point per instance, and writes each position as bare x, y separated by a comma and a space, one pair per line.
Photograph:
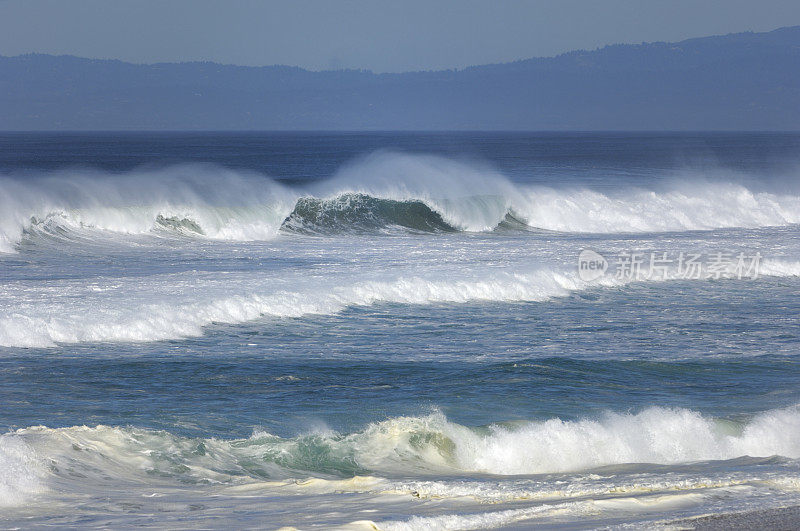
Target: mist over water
399, 336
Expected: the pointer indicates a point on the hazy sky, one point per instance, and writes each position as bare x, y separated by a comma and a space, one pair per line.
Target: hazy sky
380, 35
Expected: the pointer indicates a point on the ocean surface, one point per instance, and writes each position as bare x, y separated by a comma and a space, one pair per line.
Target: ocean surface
401, 331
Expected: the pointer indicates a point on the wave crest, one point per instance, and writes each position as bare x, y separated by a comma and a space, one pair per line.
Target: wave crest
385, 190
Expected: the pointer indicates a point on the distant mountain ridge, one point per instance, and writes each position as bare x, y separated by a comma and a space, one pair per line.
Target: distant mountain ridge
743, 81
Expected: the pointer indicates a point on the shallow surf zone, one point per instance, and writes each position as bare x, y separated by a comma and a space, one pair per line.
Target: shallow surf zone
381, 192
432, 472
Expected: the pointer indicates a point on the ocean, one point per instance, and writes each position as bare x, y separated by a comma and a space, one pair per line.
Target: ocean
397, 330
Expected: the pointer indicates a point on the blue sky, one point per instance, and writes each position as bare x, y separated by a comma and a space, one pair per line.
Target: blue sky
380, 35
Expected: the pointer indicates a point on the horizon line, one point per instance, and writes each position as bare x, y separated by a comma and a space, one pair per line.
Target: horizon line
402, 131
421, 71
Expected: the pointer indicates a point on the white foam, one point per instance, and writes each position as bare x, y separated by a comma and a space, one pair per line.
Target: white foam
501, 518
20, 471
772, 267
485, 520
579, 486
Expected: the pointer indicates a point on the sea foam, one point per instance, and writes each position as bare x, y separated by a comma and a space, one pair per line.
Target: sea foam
20, 470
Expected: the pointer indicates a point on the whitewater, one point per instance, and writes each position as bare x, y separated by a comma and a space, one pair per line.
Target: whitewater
394, 331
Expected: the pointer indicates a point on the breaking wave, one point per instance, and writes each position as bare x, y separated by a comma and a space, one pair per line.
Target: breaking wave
160, 321
433, 444
126, 319
421, 446
382, 191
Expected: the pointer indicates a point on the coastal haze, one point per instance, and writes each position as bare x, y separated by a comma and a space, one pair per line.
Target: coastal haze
745, 81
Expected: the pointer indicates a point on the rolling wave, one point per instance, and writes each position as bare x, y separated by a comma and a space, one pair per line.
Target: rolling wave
153, 321
124, 317
362, 213
433, 444
37, 458
383, 191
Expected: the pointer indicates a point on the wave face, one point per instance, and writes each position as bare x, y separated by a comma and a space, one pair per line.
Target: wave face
361, 213
423, 446
417, 192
